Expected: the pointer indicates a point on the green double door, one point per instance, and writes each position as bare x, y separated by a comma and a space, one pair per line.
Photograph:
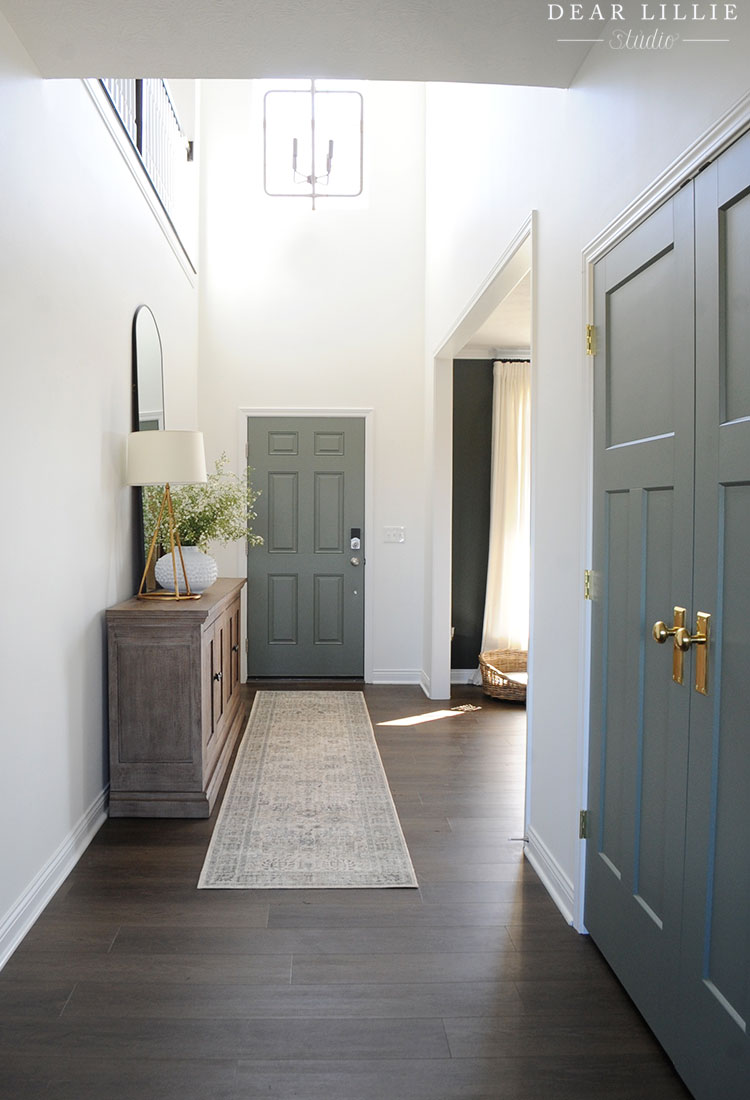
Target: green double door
668, 854
306, 583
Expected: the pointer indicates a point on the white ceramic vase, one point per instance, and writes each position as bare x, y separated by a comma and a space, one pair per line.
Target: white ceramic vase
201, 570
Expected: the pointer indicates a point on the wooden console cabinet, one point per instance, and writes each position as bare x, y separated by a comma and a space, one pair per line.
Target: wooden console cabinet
175, 707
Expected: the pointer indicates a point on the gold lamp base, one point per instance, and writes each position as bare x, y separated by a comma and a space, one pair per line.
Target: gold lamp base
175, 545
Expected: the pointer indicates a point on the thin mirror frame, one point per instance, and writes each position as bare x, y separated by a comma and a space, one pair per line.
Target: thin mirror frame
147, 411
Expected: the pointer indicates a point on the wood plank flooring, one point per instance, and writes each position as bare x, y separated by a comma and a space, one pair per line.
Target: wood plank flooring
134, 985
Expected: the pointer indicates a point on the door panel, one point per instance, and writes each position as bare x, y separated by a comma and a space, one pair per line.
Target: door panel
283, 513
643, 491
306, 584
668, 878
734, 230
328, 535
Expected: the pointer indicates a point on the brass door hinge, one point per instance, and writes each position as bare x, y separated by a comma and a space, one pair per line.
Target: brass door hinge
591, 339
583, 825
587, 589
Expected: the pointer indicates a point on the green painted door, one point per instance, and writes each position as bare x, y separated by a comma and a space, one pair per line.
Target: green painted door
643, 501
306, 584
715, 973
668, 878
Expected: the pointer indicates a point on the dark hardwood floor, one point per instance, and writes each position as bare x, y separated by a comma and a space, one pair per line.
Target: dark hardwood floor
135, 985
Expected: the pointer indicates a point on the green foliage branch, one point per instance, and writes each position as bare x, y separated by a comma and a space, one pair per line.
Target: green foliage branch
220, 509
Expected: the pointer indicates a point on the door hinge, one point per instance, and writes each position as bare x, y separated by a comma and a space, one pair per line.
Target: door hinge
591, 339
587, 590
583, 825
247, 645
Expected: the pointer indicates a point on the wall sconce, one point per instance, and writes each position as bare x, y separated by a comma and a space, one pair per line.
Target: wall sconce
313, 142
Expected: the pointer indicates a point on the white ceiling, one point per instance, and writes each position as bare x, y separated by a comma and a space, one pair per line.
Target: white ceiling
476, 41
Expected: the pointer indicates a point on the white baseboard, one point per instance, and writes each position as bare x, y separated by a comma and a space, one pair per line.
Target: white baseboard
463, 675
396, 676
19, 919
558, 885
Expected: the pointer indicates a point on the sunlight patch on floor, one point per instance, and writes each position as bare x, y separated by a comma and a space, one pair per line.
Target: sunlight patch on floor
430, 716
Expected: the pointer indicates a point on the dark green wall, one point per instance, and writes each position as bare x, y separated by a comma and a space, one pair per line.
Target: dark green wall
472, 453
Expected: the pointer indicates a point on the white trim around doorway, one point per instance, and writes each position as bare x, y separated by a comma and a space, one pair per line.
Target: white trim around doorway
368, 415
511, 267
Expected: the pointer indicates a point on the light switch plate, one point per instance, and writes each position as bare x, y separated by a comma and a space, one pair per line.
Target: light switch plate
394, 534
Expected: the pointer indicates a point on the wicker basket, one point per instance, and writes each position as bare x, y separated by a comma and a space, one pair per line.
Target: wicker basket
495, 665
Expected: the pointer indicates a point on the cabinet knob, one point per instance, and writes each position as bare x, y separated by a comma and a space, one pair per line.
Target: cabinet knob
236, 647
217, 676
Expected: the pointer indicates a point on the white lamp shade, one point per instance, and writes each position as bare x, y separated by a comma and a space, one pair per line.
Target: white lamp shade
155, 458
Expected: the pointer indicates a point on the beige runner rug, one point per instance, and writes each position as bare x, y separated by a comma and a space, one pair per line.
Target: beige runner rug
308, 803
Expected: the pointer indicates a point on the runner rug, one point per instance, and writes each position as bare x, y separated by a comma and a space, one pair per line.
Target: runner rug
307, 803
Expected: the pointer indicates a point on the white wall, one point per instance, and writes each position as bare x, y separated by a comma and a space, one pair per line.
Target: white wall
324, 309
577, 157
81, 250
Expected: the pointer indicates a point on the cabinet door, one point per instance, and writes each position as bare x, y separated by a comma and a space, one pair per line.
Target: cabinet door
214, 671
232, 653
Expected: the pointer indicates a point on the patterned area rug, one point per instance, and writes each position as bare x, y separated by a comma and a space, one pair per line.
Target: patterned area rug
308, 803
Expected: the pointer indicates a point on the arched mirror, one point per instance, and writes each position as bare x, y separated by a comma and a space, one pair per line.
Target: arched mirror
147, 372
148, 403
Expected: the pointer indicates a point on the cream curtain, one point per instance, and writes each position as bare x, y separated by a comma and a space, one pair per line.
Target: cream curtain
506, 612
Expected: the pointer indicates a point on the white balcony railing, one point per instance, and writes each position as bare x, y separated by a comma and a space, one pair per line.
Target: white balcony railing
150, 120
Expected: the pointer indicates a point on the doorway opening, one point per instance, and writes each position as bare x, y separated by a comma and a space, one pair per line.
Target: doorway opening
476, 340
490, 487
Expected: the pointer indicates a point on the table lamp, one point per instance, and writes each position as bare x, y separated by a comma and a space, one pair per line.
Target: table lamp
161, 458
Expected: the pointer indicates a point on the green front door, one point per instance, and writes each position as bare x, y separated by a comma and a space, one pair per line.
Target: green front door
668, 875
306, 583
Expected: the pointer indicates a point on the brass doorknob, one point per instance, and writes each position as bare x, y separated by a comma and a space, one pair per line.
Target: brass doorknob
683, 639
661, 631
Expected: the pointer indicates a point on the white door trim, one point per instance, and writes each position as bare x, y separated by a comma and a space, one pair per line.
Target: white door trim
245, 414
706, 148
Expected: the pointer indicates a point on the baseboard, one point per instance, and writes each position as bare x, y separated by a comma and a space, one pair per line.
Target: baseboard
396, 676
463, 675
19, 919
558, 885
